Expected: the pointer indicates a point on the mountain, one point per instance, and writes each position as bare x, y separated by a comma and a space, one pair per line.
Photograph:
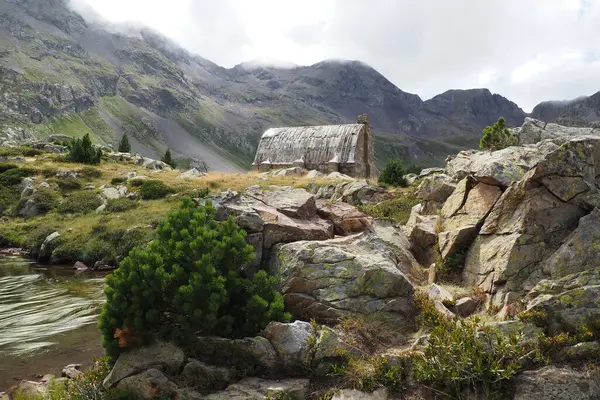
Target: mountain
61, 73
582, 111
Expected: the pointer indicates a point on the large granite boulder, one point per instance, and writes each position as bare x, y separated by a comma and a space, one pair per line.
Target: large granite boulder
162, 356
355, 193
423, 237
363, 273
202, 376
256, 353
553, 383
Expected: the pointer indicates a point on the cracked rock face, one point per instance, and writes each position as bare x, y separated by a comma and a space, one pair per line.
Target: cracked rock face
328, 279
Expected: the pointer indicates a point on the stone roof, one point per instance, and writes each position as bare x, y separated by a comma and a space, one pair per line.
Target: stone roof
313, 144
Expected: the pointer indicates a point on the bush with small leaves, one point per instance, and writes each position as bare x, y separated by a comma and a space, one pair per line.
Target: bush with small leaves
393, 173
120, 205
80, 203
45, 200
152, 190
90, 172
497, 137
190, 280
118, 180
68, 183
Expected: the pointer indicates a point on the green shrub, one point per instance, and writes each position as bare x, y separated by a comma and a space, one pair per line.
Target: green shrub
367, 374
118, 180
14, 176
393, 173
451, 267
68, 183
136, 182
467, 355
23, 151
6, 166
82, 151
497, 137
49, 172
152, 190
189, 280
45, 201
397, 209
120, 205
124, 145
80, 203
91, 172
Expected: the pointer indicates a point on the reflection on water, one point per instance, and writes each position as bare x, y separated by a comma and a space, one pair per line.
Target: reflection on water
47, 315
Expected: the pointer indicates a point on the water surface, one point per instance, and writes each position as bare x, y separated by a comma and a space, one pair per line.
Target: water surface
47, 319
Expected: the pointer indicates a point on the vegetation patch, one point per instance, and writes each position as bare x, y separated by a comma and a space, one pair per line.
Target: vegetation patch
80, 203
152, 190
192, 278
120, 205
397, 209
393, 173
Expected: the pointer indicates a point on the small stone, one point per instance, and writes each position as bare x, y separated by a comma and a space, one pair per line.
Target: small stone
465, 306
101, 208
353, 394
438, 293
72, 371
80, 266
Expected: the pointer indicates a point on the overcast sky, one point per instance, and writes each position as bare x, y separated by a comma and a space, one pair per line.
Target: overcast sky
526, 50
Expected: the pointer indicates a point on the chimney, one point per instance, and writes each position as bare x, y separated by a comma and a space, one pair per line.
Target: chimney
363, 119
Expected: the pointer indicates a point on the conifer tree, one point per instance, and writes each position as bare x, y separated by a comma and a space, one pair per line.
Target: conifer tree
168, 159
393, 173
191, 280
124, 145
497, 137
83, 151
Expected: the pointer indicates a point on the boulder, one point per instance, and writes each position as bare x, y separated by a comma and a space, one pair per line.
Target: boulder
249, 353
191, 173
462, 222
163, 356
346, 219
555, 383
570, 310
72, 371
147, 385
313, 174
353, 394
329, 346
259, 389
465, 306
28, 186
111, 193
338, 176
410, 178
294, 203
129, 175
48, 246
438, 293
28, 390
29, 209
436, 188
202, 376
79, 266
430, 171
579, 252
101, 208
293, 343
153, 164
294, 171
423, 237
363, 273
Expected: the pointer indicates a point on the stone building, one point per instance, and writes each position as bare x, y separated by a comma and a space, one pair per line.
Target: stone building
347, 149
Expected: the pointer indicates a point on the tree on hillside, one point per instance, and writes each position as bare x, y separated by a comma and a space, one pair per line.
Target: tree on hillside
83, 151
497, 137
393, 173
124, 145
168, 159
192, 279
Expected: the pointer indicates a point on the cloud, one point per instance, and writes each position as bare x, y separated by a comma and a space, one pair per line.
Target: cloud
526, 50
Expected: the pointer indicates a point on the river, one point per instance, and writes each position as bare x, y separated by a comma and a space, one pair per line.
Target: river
47, 319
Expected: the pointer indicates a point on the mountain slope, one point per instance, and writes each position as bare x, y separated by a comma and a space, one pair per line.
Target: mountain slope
584, 111
62, 74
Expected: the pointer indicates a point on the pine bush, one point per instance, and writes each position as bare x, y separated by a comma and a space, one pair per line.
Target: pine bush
190, 280
124, 145
82, 151
497, 137
393, 173
152, 190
